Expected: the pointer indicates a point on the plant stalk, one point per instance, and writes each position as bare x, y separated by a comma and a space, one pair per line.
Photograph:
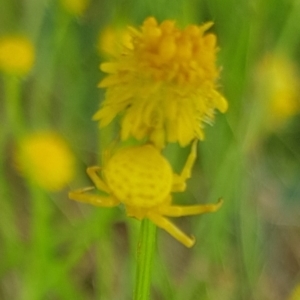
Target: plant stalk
145, 254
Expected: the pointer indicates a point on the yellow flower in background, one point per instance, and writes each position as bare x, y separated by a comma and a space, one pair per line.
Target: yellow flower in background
46, 159
295, 293
17, 55
164, 85
75, 7
279, 85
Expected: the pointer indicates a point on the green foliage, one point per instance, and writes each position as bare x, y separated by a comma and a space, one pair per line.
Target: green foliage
54, 248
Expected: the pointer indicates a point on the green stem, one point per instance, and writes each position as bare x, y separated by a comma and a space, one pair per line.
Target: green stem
40, 249
8, 229
12, 86
145, 254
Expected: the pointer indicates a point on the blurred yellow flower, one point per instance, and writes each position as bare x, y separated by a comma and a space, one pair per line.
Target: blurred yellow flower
45, 158
75, 7
17, 55
279, 85
295, 293
164, 84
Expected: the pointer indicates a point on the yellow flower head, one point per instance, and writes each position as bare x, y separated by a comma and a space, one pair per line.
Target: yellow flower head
295, 293
75, 7
46, 159
164, 84
17, 55
278, 82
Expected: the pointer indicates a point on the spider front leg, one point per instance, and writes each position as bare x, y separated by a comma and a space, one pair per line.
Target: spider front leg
171, 228
94, 199
98, 182
179, 184
97, 200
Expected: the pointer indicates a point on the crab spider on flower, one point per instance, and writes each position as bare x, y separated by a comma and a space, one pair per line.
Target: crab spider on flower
141, 178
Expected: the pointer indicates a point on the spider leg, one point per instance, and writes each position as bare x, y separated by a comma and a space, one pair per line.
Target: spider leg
94, 199
179, 211
179, 184
99, 183
172, 229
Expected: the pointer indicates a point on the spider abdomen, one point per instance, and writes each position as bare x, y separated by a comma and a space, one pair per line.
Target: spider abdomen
139, 176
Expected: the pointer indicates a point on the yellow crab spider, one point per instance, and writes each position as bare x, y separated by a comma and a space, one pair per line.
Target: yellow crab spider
142, 179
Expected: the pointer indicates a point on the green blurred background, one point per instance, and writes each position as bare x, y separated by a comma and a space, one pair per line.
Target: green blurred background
54, 248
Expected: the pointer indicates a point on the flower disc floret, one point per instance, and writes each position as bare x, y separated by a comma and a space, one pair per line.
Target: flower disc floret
164, 84
140, 176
